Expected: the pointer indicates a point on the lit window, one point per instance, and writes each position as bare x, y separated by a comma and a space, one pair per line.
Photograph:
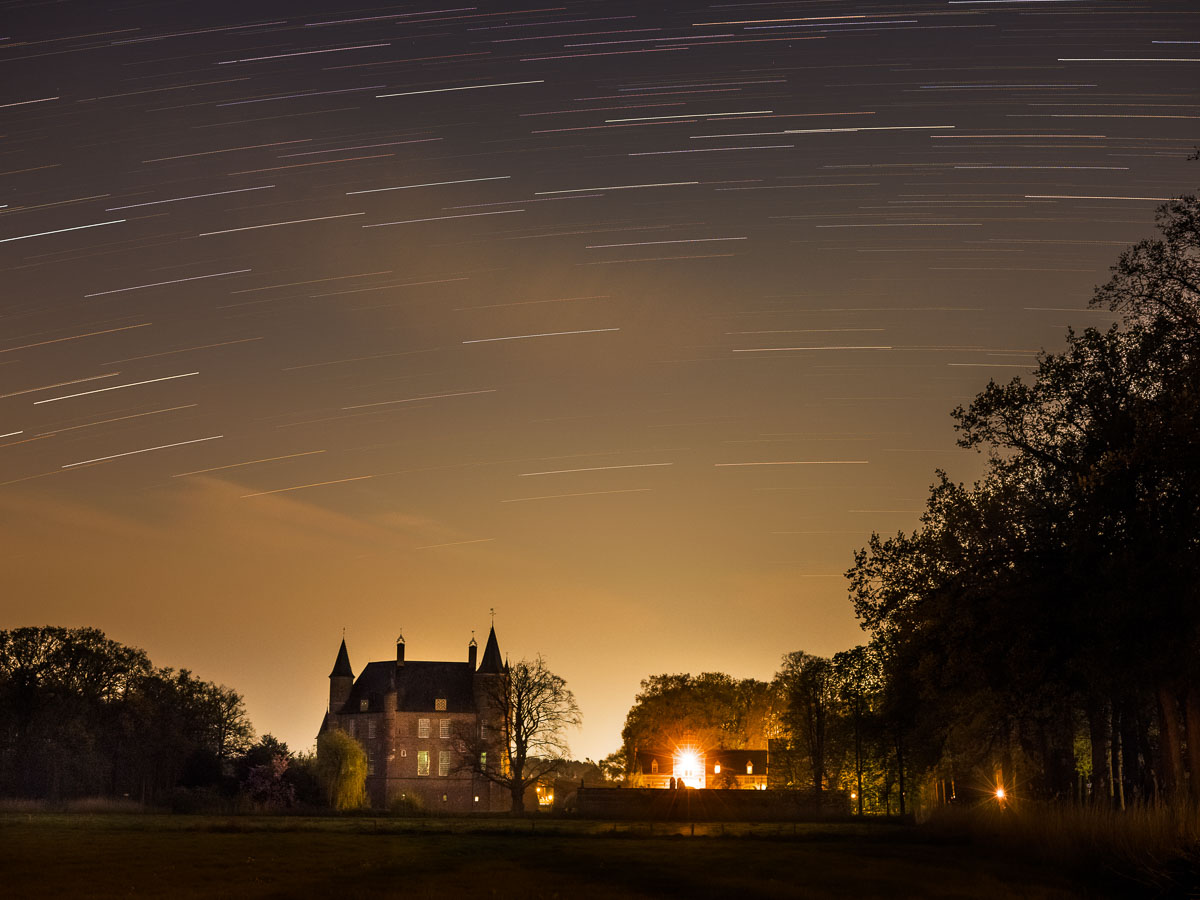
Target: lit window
483, 761
423, 728
654, 766
716, 768
440, 704
444, 763
371, 729
362, 705
403, 752
749, 768
422, 762
444, 728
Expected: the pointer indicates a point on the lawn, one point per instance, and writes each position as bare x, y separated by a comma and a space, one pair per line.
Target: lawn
112, 855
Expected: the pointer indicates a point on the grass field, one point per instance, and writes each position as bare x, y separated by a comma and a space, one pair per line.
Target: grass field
116, 855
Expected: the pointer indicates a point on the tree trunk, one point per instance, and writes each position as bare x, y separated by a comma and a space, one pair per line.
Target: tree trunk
518, 798
1099, 730
1191, 710
900, 770
1118, 759
858, 756
1170, 743
1131, 766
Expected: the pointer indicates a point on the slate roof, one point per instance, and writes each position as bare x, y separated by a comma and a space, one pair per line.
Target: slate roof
418, 685
492, 663
342, 666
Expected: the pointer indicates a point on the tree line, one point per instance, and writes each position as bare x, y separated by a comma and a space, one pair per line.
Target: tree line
1040, 628
85, 716
1038, 632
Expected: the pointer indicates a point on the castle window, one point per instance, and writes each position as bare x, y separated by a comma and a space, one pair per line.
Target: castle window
444, 763
423, 728
370, 763
362, 705
482, 763
444, 728
371, 729
749, 768
403, 752
422, 762
716, 768
654, 766
439, 704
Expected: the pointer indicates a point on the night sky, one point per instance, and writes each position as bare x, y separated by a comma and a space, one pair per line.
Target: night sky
629, 320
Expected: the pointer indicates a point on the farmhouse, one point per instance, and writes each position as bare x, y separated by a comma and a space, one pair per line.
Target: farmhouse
693, 767
411, 716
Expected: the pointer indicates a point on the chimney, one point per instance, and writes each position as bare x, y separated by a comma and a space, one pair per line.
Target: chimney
400, 650
472, 648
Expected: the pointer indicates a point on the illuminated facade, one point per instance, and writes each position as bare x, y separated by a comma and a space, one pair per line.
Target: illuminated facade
699, 768
410, 716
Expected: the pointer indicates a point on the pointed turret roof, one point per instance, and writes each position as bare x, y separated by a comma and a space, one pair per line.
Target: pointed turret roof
342, 666
491, 664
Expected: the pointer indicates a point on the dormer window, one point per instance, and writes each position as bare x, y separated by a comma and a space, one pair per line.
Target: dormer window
654, 766
716, 768
362, 705
749, 768
439, 705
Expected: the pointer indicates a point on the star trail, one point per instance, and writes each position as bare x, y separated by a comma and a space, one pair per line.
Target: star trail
721, 270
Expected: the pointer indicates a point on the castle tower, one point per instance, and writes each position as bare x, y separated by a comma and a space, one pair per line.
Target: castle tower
341, 679
493, 663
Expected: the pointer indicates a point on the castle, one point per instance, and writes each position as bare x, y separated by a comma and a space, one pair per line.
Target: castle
411, 717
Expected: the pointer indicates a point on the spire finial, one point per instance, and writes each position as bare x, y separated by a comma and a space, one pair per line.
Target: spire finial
493, 612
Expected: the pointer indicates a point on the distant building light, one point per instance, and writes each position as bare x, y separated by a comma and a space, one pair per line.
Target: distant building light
688, 767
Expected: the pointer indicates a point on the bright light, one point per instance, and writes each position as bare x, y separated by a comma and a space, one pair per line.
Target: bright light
689, 768
1000, 794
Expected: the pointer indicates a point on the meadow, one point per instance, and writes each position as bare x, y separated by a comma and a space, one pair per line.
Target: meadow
146, 855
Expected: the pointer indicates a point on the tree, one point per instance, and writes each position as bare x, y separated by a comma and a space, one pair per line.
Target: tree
268, 786
712, 709
342, 770
809, 690
857, 678
83, 714
612, 767
523, 742
1064, 587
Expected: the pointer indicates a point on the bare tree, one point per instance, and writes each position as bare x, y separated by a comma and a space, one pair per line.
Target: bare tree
522, 740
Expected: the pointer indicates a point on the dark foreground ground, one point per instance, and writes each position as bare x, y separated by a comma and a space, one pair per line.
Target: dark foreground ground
110, 855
